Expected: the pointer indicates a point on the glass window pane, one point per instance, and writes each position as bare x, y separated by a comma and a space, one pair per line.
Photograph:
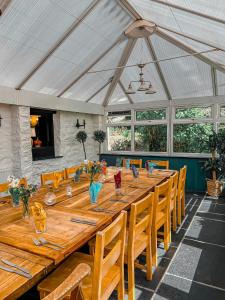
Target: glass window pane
151, 138
221, 127
118, 116
191, 138
119, 138
151, 114
193, 112
222, 111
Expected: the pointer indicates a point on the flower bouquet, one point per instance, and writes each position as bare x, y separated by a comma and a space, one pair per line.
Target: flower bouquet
14, 190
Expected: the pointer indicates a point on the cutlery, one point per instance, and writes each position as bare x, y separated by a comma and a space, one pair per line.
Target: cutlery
38, 243
44, 241
119, 200
99, 209
83, 221
7, 262
16, 272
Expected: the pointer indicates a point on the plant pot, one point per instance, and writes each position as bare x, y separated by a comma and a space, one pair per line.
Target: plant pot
214, 187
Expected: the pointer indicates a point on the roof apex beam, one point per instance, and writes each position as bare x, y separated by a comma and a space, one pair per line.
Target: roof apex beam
72, 83
68, 32
158, 67
118, 72
124, 90
193, 12
189, 49
130, 9
190, 37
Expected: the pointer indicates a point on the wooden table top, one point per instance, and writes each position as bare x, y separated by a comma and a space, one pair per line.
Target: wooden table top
16, 233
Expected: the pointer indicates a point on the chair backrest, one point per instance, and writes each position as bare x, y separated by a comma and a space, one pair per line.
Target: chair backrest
70, 172
112, 262
47, 178
140, 223
162, 198
181, 182
160, 163
70, 284
60, 175
136, 162
4, 187
173, 197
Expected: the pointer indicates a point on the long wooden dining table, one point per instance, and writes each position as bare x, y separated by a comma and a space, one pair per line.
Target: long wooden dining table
17, 234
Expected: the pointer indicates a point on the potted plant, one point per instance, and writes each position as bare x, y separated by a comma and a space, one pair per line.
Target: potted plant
99, 136
81, 137
216, 163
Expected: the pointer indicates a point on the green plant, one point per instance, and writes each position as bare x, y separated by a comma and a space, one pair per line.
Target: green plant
81, 137
99, 136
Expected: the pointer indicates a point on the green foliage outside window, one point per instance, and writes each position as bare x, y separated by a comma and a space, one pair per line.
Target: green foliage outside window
119, 138
152, 114
193, 112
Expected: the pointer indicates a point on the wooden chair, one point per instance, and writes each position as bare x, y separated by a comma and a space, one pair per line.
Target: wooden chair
4, 187
70, 172
160, 163
181, 194
136, 162
107, 271
173, 202
71, 285
47, 178
161, 215
60, 175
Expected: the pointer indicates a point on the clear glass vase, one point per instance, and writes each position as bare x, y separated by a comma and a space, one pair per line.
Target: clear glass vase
15, 199
26, 209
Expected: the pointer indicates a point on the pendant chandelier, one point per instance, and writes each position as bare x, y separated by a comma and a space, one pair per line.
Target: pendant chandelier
145, 86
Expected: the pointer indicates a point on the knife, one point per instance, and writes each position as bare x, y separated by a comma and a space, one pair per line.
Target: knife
82, 221
9, 263
16, 272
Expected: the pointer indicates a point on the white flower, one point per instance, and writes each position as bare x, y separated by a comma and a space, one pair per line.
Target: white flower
10, 178
13, 182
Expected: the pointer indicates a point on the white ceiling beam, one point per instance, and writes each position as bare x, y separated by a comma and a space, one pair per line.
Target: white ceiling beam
130, 9
214, 81
118, 72
72, 83
124, 90
188, 10
99, 90
190, 37
158, 68
68, 32
189, 50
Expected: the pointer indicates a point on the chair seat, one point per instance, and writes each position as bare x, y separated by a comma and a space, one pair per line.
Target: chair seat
62, 272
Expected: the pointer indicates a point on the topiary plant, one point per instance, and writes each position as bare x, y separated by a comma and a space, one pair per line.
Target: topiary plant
81, 137
99, 136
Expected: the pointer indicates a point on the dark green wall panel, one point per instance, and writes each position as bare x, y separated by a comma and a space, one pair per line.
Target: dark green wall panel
195, 176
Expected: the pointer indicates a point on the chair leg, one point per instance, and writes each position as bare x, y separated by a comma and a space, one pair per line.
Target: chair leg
170, 216
149, 262
131, 280
183, 205
154, 247
175, 217
179, 211
166, 235
120, 287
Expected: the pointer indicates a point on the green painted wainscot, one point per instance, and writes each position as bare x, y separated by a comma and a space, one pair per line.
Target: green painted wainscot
195, 175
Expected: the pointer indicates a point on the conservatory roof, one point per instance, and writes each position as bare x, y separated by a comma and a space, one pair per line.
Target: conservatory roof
79, 50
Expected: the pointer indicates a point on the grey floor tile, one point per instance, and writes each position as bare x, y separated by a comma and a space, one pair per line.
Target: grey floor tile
208, 206
173, 288
210, 231
200, 262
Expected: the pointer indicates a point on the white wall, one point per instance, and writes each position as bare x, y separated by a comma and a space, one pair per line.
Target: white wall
15, 145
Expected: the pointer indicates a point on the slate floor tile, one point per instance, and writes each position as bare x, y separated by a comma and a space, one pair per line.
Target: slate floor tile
210, 207
174, 288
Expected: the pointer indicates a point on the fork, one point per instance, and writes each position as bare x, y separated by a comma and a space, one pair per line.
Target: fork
38, 243
44, 241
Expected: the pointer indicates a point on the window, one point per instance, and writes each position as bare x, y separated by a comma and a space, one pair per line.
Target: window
151, 138
222, 111
193, 112
191, 138
118, 116
152, 114
42, 133
119, 138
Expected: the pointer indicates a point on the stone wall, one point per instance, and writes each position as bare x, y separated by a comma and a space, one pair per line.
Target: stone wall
15, 146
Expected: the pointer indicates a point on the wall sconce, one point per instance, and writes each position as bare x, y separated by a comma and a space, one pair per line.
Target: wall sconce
78, 125
0, 120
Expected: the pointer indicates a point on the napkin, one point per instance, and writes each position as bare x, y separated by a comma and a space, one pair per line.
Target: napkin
135, 171
94, 190
77, 175
151, 166
104, 170
117, 179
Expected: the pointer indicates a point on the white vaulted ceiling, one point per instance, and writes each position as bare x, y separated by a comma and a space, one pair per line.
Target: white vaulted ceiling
55, 47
